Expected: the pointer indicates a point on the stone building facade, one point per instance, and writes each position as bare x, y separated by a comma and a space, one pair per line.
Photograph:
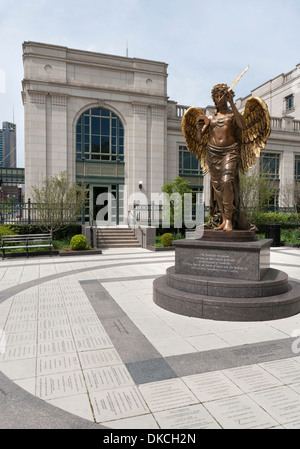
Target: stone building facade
108, 121
63, 88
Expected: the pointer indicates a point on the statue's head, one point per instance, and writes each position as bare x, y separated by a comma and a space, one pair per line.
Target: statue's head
219, 88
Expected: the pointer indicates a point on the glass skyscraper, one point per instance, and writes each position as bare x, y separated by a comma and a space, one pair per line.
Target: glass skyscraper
8, 144
1, 148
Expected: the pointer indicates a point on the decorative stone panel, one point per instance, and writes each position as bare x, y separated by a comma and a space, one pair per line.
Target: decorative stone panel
37, 97
59, 100
140, 109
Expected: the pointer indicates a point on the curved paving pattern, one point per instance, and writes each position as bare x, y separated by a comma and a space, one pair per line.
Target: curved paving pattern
84, 346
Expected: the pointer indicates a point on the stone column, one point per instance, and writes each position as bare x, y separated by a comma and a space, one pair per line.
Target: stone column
58, 145
287, 184
138, 165
35, 140
158, 155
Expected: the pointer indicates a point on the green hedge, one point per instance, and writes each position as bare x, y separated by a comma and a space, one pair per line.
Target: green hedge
286, 221
61, 234
273, 217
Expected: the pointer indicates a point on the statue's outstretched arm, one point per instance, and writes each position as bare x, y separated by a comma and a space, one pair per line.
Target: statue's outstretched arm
238, 117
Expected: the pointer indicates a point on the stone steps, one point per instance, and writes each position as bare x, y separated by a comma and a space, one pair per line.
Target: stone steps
116, 238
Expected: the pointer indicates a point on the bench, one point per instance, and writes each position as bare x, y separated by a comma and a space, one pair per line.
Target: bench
26, 242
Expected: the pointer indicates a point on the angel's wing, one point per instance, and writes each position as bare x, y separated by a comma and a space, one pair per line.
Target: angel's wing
254, 136
189, 130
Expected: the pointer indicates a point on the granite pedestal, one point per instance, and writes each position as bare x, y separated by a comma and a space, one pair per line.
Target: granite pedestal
226, 276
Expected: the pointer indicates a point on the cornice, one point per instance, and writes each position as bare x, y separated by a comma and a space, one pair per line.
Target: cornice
45, 85
129, 63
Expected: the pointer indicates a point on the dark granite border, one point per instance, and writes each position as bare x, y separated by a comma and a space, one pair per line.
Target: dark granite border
226, 358
144, 362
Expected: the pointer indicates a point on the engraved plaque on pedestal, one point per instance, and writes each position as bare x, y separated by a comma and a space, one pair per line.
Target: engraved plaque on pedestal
243, 260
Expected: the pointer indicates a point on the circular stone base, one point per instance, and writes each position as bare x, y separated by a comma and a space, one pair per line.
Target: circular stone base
227, 309
273, 283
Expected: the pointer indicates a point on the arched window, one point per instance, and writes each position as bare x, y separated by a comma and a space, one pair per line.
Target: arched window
99, 136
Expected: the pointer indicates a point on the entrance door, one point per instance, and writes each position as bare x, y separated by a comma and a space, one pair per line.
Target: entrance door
105, 205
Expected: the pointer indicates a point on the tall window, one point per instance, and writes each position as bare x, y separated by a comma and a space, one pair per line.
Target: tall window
188, 164
99, 136
289, 103
269, 165
297, 168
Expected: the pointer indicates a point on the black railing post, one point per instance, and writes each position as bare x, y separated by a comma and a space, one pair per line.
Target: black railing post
92, 236
29, 211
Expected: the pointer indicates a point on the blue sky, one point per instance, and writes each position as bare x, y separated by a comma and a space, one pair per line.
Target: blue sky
203, 42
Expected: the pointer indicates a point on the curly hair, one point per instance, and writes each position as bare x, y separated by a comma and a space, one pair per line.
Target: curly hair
223, 88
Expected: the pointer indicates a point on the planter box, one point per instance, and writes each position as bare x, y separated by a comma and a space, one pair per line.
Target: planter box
31, 254
84, 252
89, 252
156, 248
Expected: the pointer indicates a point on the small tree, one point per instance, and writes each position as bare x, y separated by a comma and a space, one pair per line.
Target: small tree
178, 185
59, 201
255, 193
290, 194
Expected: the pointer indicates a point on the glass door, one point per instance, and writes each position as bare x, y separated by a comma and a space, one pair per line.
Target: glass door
105, 205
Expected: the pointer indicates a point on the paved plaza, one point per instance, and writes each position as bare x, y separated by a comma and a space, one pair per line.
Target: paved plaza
82, 345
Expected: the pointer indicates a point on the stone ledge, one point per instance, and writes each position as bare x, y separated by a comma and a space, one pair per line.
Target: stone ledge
84, 252
157, 248
227, 309
274, 282
90, 252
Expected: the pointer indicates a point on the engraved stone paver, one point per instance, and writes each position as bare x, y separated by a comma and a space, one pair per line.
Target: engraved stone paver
117, 404
56, 347
287, 370
59, 385
210, 386
19, 338
98, 379
282, 403
167, 394
99, 358
193, 417
252, 378
57, 364
240, 412
93, 342
20, 352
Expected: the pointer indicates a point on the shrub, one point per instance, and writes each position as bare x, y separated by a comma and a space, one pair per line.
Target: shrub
274, 217
78, 242
167, 239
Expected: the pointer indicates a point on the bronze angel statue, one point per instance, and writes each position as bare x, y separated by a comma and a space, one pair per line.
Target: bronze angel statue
227, 143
